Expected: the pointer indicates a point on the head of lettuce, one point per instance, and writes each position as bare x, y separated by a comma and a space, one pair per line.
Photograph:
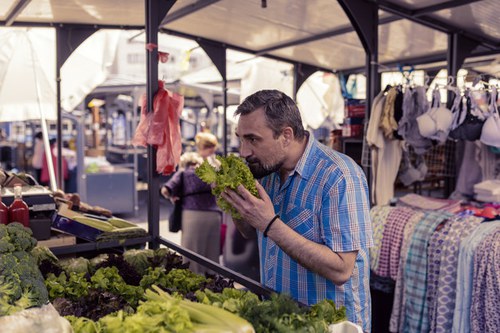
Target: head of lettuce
232, 172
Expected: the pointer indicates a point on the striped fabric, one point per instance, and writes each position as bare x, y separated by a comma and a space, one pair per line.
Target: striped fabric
398, 307
442, 319
325, 199
391, 241
415, 274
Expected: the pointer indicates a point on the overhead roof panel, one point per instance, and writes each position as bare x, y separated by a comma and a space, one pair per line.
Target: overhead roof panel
343, 51
5, 7
112, 12
248, 25
482, 18
405, 39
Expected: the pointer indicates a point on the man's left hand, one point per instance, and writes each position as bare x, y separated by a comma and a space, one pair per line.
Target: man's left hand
255, 211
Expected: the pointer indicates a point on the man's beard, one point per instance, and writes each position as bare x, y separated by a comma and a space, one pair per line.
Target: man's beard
260, 170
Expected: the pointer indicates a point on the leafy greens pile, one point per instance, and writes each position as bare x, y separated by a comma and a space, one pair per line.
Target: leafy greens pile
231, 173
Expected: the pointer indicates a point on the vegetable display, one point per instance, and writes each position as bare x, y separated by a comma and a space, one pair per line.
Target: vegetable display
21, 282
152, 291
231, 173
143, 291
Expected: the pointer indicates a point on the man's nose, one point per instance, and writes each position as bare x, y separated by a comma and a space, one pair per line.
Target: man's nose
244, 151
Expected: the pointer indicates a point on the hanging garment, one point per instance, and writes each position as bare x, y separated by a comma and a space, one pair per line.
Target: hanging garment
485, 313
490, 134
465, 278
470, 171
434, 250
378, 216
391, 241
441, 321
387, 122
385, 156
398, 307
414, 104
415, 274
435, 124
470, 129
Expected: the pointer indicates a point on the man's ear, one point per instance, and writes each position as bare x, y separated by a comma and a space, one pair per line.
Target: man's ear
288, 135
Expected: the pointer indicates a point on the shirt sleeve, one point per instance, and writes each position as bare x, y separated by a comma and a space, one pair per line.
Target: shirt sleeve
174, 184
345, 215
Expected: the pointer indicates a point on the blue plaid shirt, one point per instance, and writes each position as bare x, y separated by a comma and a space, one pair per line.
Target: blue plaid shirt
325, 199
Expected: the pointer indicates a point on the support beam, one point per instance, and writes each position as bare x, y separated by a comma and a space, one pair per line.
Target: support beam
217, 53
16, 11
441, 6
174, 16
155, 11
364, 17
300, 74
459, 48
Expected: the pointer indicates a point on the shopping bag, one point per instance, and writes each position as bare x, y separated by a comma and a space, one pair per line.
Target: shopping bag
175, 219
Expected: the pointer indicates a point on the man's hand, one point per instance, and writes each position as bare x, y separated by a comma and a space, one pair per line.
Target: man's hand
255, 211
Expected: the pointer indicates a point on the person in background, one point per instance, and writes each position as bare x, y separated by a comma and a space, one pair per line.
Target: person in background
44, 176
313, 216
201, 217
334, 140
37, 159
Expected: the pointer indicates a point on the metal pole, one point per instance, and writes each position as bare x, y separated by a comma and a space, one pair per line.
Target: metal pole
152, 87
60, 179
224, 90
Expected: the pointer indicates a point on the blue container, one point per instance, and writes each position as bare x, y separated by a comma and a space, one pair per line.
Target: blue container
75, 228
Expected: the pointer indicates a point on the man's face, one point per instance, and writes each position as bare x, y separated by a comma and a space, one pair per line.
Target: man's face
263, 153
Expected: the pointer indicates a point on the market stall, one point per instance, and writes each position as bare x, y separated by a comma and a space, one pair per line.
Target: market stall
403, 32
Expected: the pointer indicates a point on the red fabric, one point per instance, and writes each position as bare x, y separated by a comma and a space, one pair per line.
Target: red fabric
44, 177
161, 128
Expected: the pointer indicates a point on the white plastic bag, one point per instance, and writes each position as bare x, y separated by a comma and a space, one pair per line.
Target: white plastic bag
45, 319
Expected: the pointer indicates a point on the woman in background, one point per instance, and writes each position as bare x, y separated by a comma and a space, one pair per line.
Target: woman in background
201, 217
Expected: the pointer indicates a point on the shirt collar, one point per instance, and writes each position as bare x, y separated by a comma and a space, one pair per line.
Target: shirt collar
305, 167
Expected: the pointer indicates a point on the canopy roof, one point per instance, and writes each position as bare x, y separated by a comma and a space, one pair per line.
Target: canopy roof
314, 32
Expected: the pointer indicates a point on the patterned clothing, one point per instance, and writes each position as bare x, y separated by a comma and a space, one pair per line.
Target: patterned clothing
442, 319
434, 251
398, 307
485, 314
391, 241
378, 215
325, 199
468, 246
415, 274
